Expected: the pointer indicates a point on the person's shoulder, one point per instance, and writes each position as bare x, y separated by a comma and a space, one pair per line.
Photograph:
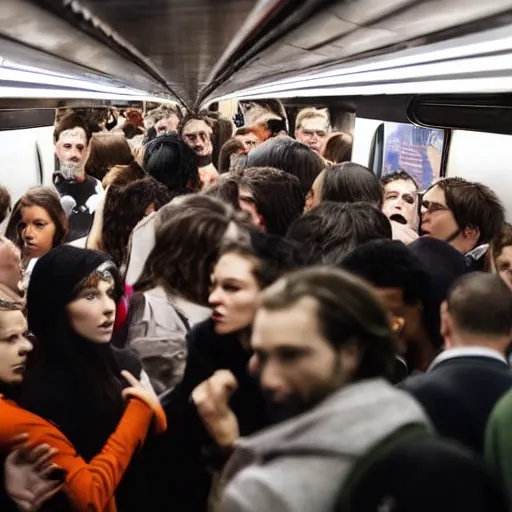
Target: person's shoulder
202, 340
202, 333
94, 183
502, 411
128, 359
286, 483
428, 382
15, 421
253, 490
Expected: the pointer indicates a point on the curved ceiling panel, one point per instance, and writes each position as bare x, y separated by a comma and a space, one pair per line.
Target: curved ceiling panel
197, 50
349, 31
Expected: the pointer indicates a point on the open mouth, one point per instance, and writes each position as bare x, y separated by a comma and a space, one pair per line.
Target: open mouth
19, 369
217, 317
106, 325
399, 218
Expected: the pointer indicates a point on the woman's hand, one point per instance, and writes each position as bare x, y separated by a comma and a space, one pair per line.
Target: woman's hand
145, 392
27, 472
142, 390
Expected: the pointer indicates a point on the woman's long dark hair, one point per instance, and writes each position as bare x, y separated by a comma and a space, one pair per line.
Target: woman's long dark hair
76, 385
124, 207
72, 382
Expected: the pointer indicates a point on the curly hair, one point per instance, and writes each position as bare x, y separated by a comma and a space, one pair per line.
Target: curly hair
124, 207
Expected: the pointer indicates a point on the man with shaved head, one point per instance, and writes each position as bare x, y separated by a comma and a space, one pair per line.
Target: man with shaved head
464, 382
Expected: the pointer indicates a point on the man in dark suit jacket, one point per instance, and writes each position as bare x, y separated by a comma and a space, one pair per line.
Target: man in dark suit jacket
464, 382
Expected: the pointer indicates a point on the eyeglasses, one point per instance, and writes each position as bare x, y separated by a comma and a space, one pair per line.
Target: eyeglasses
432, 207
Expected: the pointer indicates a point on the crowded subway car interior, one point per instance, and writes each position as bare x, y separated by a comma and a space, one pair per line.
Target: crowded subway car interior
255, 255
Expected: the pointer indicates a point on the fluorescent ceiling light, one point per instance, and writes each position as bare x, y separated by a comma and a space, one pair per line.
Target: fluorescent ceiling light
457, 56
20, 76
464, 68
22, 92
465, 85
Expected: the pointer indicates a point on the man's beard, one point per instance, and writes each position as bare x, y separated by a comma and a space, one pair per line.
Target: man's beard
295, 404
70, 170
283, 410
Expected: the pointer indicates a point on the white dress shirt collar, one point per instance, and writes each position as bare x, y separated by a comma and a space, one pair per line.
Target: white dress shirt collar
452, 353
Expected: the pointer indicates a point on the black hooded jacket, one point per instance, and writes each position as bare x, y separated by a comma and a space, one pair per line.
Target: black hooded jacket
71, 382
188, 456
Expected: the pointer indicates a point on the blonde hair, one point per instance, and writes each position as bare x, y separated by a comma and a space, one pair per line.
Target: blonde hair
311, 113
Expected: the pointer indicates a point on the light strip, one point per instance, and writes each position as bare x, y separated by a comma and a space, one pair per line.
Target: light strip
468, 46
15, 75
22, 92
493, 64
461, 86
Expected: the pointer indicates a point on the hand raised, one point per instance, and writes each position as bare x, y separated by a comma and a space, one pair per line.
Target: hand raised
142, 390
211, 399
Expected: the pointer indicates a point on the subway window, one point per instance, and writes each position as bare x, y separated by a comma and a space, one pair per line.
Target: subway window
414, 149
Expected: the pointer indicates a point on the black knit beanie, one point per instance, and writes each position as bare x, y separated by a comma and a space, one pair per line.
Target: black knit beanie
53, 283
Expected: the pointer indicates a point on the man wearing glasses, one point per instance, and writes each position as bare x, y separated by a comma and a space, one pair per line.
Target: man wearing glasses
312, 128
465, 214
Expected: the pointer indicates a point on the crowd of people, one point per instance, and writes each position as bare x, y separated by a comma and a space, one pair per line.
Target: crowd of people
197, 317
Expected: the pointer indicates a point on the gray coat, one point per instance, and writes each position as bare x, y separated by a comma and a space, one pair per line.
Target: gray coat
300, 465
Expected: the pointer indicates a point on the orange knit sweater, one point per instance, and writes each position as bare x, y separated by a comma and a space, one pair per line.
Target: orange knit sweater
89, 487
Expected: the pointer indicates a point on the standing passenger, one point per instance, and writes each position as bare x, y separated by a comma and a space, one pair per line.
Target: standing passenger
219, 343
290, 156
90, 484
80, 194
197, 132
467, 215
401, 198
322, 347
75, 381
174, 285
311, 128
465, 381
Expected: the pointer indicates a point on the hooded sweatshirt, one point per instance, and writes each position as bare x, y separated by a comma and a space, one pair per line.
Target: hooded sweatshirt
300, 465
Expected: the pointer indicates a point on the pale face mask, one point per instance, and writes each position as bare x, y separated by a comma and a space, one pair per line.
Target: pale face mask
72, 151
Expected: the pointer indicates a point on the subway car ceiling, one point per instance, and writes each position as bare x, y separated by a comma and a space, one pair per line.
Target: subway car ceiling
196, 52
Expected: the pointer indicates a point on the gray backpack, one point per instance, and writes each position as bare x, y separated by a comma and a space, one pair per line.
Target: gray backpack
157, 331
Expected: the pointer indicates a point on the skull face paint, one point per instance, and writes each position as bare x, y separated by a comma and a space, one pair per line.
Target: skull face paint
401, 202
72, 150
198, 135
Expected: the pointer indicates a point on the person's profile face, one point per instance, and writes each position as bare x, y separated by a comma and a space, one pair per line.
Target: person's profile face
14, 346
296, 365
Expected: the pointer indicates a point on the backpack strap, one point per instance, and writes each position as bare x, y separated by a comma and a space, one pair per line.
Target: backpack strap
135, 303
380, 450
182, 316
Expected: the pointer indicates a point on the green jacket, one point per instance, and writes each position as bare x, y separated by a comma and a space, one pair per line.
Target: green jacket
498, 442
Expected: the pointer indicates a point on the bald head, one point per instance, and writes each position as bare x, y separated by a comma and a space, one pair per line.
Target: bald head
480, 304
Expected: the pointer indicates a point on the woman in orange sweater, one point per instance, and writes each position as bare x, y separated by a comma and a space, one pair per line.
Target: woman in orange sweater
90, 484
